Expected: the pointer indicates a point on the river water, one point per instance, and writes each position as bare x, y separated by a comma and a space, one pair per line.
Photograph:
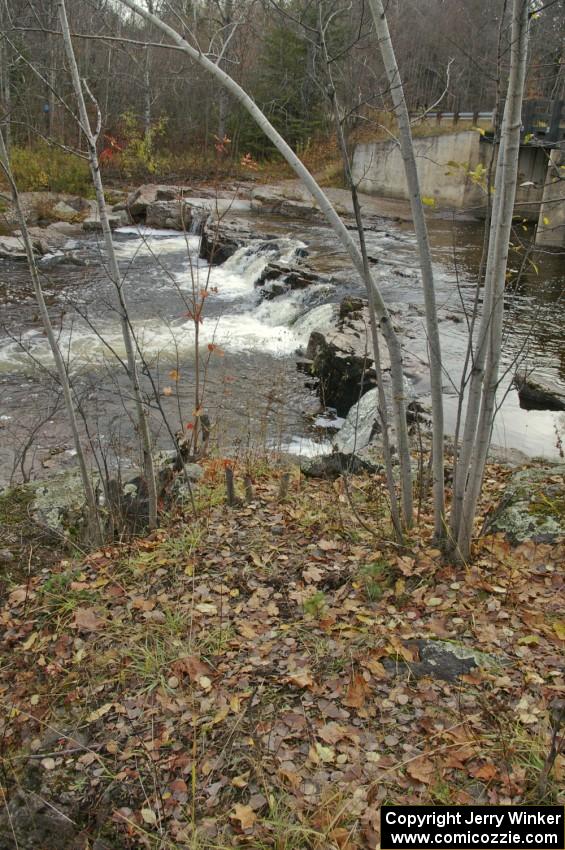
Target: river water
255, 395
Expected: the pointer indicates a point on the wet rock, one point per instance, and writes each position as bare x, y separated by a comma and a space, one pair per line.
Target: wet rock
441, 659
279, 278
362, 424
341, 357
53, 260
532, 507
335, 464
539, 394
221, 239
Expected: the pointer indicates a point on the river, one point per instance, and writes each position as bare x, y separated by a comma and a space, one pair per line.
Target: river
254, 393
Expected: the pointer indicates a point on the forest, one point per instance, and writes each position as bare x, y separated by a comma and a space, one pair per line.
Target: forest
282, 420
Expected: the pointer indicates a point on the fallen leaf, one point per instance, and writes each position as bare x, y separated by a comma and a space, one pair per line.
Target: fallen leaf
149, 816
485, 772
100, 712
192, 666
244, 814
88, 620
357, 692
422, 769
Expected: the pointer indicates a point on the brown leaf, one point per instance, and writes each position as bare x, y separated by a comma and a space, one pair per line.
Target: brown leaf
357, 692
192, 666
421, 769
87, 620
244, 814
331, 733
487, 772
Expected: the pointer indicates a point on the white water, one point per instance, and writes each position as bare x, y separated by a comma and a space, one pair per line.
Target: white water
236, 318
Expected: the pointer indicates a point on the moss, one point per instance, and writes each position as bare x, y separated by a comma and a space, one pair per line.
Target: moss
14, 506
550, 506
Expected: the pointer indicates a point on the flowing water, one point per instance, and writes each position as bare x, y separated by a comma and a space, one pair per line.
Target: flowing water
247, 344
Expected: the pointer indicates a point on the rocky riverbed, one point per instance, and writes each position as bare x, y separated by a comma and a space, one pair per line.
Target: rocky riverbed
282, 295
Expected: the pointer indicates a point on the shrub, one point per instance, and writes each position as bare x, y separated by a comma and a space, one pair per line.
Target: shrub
46, 168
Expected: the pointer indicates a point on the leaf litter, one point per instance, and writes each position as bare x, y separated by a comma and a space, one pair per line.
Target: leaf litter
239, 681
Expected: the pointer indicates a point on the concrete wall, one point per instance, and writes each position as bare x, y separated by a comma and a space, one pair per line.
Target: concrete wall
551, 225
379, 169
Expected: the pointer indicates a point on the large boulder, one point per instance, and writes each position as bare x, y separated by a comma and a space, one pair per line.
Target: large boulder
539, 393
342, 357
138, 201
532, 507
12, 247
174, 215
221, 239
92, 224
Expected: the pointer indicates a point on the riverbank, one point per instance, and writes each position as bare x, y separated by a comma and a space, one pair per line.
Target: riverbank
275, 671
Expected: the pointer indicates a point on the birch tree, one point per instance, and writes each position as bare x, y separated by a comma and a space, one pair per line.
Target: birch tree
481, 404
383, 315
113, 268
425, 257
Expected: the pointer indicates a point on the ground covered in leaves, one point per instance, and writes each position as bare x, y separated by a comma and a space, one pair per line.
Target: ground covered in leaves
254, 677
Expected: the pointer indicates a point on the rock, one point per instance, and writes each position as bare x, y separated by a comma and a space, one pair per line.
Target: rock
34, 823
91, 224
59, 258
12, 247
441, 659
175, 215
138, 201
64, 211
361, 424
539, 394
532, 507
341, 358
335, 464
58, 502
274, 201
220, 240
63, 228
279, 277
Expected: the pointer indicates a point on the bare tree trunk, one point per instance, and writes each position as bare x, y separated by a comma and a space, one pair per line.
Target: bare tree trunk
95, 531
491, 327
148, 466
382, 402
385, 322
5, 90
420, 227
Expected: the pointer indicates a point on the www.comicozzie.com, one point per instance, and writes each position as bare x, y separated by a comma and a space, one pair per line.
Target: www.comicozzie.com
462, 827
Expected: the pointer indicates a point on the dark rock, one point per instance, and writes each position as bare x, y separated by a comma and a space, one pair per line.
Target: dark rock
219, 242
440, 659
539, 394
341, 359
335, 464
35, 824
